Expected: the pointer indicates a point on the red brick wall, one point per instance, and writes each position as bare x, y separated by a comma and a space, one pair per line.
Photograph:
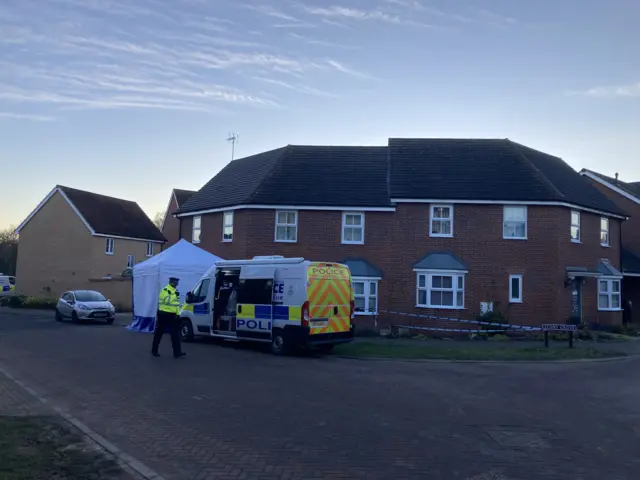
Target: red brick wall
171, 227
396, 241
631, 227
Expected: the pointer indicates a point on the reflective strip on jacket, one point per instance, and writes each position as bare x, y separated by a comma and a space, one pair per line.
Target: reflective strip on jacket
168, 301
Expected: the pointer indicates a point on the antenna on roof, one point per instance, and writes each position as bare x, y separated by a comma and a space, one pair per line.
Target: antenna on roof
233, 138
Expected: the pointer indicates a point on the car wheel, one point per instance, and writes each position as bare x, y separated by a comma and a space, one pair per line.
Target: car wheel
58, 316
186, 330
74, 317
280, 343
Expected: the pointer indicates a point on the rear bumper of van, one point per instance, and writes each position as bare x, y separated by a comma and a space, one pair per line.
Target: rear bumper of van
303, 337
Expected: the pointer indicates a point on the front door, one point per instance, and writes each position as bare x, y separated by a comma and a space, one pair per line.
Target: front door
576, 301
254, 308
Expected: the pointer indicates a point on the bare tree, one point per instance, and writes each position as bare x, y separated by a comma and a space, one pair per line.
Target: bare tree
8, 251
158, 219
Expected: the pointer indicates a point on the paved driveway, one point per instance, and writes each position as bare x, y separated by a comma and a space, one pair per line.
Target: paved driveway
226, 412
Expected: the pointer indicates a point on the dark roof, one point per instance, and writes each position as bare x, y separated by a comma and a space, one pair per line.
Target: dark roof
632, 188
183, 195
602, 268
424, 169
299, 175
361, 268
630, 261
440, 261
113, 216
486, 169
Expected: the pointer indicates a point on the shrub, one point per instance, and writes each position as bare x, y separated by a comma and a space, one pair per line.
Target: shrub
21, 301
16, 301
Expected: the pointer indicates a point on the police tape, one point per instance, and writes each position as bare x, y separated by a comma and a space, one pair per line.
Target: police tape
458, 320
455, 330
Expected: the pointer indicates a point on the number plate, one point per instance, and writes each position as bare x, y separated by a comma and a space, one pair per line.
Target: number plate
100, 314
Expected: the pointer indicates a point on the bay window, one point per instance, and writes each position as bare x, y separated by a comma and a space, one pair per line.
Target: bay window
437, 289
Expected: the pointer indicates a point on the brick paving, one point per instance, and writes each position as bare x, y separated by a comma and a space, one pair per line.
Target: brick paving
230, 413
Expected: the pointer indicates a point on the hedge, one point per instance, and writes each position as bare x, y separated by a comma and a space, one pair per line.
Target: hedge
21, 301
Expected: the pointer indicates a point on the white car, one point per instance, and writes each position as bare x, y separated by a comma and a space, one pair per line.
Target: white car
78, 305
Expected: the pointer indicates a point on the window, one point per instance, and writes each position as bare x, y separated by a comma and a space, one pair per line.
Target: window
196, 229
441, 222
604, 232
440, 290
287, 226
515, 223
108, 248
575, 226
365, 293
68, 297
130, 261
149, 249
609, 294
200, 291
353, 227
515, 288
227, 226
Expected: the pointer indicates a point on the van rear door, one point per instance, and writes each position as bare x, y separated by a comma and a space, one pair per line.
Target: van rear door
329, 296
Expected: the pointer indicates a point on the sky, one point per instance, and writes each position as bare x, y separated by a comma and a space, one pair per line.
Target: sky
135, 98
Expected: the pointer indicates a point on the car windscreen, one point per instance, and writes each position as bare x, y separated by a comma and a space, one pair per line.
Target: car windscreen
87, 296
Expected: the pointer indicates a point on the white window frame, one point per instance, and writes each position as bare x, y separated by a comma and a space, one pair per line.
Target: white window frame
512, 298
442, 220
149, 249
109, 246
195, 229
286, 225
131, 260
226, 224
367, 281
604, 228
577, 239
504, 221
610, 294
352, 227
429, 274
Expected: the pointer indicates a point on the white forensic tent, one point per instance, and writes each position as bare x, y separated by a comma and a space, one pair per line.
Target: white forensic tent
182, 260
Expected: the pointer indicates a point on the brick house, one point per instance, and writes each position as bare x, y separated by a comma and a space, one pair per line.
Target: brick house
429, 226
74, 236
170, 226
627, 196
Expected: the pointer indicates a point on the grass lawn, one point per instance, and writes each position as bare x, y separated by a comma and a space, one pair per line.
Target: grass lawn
39, 448
468, 352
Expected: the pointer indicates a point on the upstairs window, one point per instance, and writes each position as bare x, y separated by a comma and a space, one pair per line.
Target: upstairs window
196, 229
441, 221
575, 226
286, 226
609, 294
149, 249
130, 261
109, 246
515, 223
604, 232
227, 227
353, 227
438, 289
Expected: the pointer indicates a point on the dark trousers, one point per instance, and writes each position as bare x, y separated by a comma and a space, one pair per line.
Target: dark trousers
167, 322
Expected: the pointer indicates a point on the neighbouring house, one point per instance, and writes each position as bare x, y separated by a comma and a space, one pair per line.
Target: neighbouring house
627, 196
171, 225
74, 239
443, 227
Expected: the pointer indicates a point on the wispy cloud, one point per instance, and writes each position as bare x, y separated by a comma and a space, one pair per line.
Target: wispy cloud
630, 90
152, 54
26, 116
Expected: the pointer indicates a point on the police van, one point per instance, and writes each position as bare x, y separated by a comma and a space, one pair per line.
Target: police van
287, 302
7, 285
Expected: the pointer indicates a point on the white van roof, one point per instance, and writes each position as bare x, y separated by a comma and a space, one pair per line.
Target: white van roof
261, 260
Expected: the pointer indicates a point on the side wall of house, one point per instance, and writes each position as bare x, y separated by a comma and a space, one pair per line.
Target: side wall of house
171, 227
54, 251
102, 264
394, 242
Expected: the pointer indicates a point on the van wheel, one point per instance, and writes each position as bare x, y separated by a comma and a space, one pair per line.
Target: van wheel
186, 330
279, 343
58, 316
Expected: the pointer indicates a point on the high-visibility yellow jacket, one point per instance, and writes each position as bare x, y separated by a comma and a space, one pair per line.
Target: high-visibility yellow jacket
168, 300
